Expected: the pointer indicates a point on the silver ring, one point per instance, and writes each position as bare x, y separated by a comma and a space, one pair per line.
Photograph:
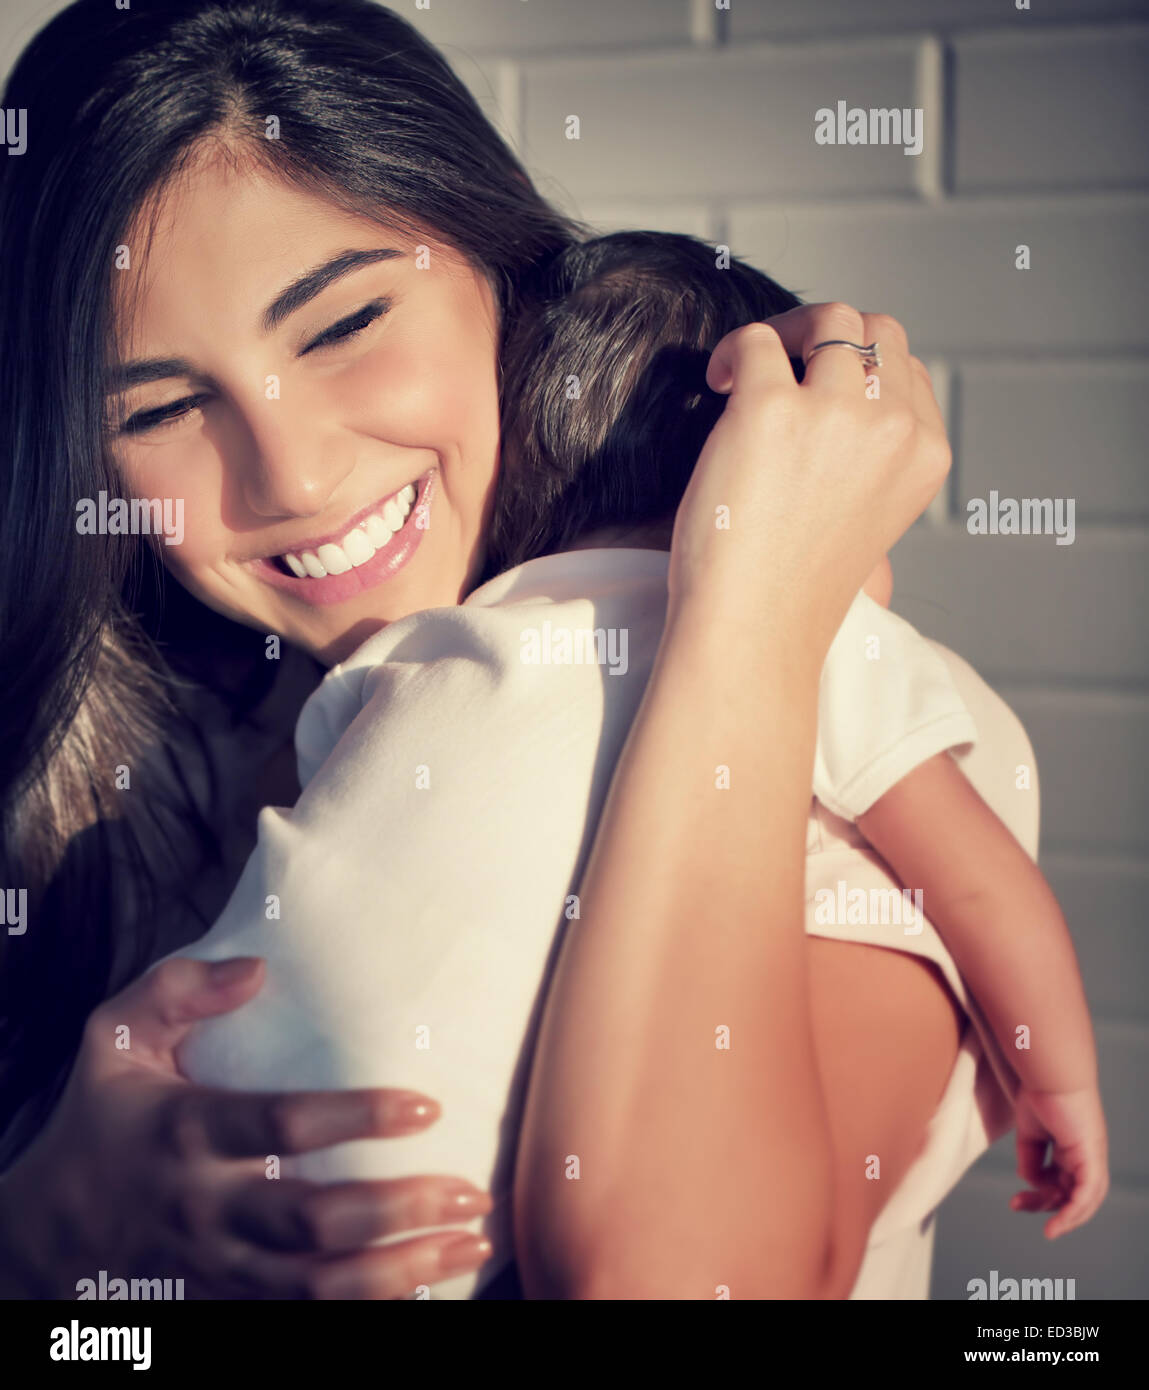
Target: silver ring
871, 355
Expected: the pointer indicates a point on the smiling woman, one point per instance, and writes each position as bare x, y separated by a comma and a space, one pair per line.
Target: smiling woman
298, 429
304, 341
320, 312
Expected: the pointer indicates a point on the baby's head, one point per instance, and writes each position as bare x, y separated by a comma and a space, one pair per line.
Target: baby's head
605, 402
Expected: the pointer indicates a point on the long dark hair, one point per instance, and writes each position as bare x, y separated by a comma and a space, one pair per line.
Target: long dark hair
604, 383
369, 116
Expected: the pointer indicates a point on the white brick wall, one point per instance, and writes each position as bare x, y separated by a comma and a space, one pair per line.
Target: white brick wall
721, 124
701, 121
946, 268
1076, 416
1058, 109
503, 27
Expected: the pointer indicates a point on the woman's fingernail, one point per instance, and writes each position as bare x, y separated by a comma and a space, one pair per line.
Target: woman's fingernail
417, 1110
464, 1202
465, 1253
228, 972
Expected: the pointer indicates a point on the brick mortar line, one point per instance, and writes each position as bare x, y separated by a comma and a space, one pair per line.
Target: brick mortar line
874, 29
931, 93
863, 43
1119, 27
721, 39
1092, 200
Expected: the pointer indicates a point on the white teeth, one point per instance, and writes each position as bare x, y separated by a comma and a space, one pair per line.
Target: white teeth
378, 532
357, 547
332, 558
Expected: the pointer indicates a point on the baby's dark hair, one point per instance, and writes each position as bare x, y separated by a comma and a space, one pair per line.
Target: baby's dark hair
605, 406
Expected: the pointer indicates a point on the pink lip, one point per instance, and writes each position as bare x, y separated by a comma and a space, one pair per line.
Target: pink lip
383, 565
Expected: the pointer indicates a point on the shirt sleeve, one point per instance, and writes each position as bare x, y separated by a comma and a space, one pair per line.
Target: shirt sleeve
325, 716
886, 704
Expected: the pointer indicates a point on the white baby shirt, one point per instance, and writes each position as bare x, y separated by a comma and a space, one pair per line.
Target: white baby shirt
411, 904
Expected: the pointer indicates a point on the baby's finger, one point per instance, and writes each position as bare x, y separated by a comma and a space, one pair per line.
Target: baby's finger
1067, 1219
1081, 1206
1044, 1199
1031, 1160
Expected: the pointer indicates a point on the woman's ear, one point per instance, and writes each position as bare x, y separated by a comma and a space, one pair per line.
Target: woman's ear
880, 585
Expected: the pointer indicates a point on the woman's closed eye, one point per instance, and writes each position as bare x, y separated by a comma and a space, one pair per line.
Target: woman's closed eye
148, 421
151, 421
349, 327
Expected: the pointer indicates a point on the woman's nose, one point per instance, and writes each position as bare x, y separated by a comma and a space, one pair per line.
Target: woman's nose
291, 470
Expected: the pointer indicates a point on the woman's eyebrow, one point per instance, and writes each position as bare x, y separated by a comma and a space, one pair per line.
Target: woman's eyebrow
128, 374
295, 296
314, 282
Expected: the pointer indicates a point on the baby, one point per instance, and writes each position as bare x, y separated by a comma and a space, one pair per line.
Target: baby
411, 904
627, 314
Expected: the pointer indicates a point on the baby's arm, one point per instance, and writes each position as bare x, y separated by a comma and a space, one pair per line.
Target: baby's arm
1001, 923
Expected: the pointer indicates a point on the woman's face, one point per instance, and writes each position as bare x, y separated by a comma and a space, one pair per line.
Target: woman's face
327, 413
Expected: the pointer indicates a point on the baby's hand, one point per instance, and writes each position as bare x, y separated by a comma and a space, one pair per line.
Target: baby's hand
1076, 1178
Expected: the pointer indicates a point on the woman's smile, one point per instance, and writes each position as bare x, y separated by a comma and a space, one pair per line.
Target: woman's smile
360, 555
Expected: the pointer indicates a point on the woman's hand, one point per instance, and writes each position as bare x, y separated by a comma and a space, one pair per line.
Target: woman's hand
678, 1020
801, 489
144, 1175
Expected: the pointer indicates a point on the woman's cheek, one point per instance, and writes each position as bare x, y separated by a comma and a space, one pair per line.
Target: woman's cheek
389, 396
201, 539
